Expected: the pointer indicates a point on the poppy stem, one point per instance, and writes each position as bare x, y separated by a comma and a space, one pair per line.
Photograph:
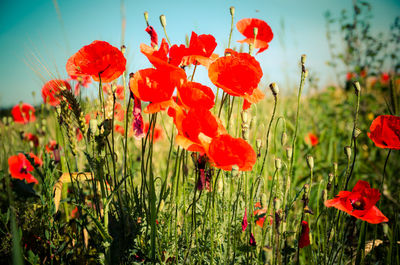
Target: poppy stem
268, 131
230, 33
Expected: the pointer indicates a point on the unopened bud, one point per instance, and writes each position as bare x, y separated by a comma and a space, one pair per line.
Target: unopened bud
235, 171
289, 152
232, 10
347, 151
284, 138
245, 133
245, 116
274, 88
163, 21
146, 17
278, 163
356, 133
303, 59
305, 73
310, 161
93, 127
258, 144
264, 199
357, 87
123, 49
277, 203
255, 32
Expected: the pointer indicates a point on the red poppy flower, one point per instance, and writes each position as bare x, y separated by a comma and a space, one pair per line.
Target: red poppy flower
119, 129
119, 112
79, 135
385, 132
200, 50
260, 214
82, 81
153, 36
252, 240
238, 74
23, 113
311, 139
225, 151
350, 76
164, 57
19, 167
51, 90
156, 86
97, 59
360, 203
264, 35
51, 146
193, 94
385, 78
31, 138
158, 133
305, 235
191, 124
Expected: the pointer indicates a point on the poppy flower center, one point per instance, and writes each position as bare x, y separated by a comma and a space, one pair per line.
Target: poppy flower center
23, 170
358, 204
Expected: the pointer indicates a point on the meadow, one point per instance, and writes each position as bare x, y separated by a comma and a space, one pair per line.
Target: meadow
161, 169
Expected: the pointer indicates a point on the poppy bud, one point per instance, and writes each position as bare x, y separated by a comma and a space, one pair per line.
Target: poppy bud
357, 132
305, 73
245, 117
357, 87
264, 200
274, 88
146, 17
284, 138
347, 151
289, 152
255, 32
4, 120
235, 171
253, 121
123, 49
245, 133
278, 163
277, 203
303, 59
93, 127
258, 146
335, 167
232, 10
310, 161
330, 179
163, 21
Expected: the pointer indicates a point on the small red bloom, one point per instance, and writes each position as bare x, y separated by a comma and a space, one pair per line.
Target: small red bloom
350, 76
238, 74
360, 203
32, 138
385, 132
385, 78
252, 240
97, 59
51, 146
119, 91
264, 35
51, 91
305, 235
225, 151
311, 139
158, 133
137, 125
119, 129
260, 214
79, 135
23, 113
153, 36
19, 167
82, 81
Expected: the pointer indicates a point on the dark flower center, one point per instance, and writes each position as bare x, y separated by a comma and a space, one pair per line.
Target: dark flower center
23, 170
358, 204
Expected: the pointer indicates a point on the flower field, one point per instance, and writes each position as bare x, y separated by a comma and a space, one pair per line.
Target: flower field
160, 168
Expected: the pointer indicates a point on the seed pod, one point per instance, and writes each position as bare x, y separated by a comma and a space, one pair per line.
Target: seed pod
357, 132
163, 21
232, 10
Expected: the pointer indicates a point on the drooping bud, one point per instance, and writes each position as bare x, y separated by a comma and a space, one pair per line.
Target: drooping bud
357, 132
310, 161
163, 21
347, 151
274, 88
357, 87
146, 17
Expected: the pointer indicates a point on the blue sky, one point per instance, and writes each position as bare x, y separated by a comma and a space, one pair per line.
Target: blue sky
35, 42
